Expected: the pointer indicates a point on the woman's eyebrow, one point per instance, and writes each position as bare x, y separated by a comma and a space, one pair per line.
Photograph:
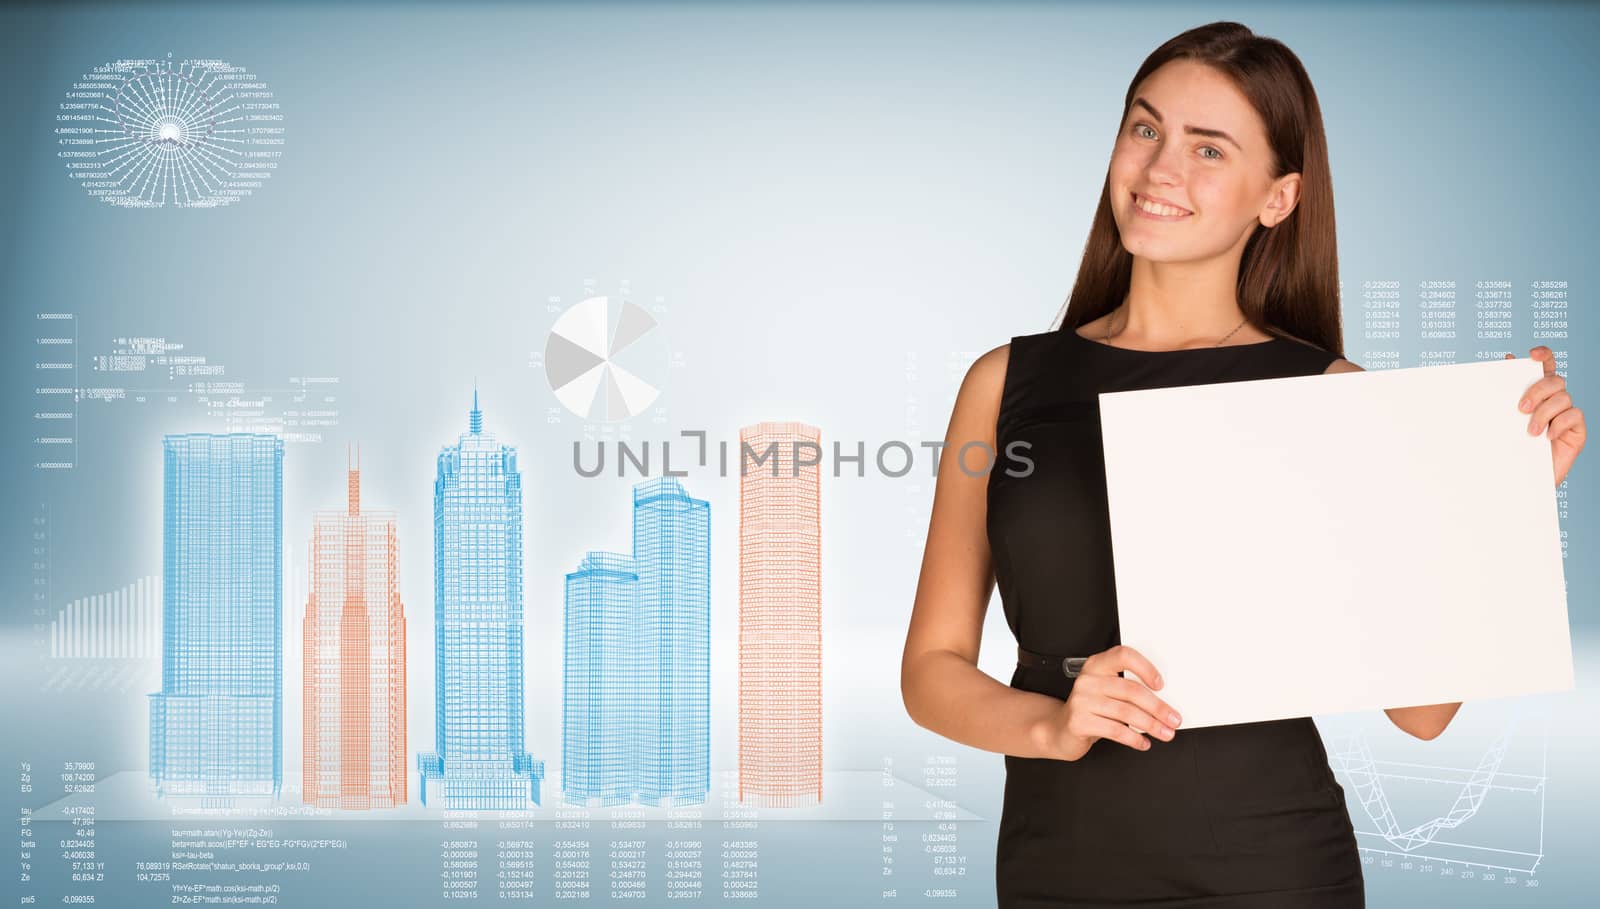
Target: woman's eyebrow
1195, 130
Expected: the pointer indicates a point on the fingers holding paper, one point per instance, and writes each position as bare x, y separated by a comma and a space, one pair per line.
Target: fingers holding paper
1104, 705
1551, 410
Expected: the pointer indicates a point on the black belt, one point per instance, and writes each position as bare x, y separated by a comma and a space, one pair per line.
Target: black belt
1072, 667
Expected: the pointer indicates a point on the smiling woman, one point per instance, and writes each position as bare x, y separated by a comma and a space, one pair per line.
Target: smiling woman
1211, 258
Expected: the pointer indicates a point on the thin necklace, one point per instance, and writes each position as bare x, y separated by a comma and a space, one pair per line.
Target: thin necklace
1218, 344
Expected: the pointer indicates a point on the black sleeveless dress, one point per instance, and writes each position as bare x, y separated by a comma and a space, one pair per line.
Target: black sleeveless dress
1243, 815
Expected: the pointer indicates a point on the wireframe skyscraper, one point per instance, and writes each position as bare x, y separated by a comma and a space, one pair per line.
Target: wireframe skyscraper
637, 679
780, 615
481, 761
672, 554
600, 696
355, 660
216, 726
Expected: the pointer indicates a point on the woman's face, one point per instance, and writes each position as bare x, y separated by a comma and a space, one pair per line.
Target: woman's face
1193, 143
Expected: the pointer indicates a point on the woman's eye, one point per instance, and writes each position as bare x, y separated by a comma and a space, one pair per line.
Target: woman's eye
1144, 130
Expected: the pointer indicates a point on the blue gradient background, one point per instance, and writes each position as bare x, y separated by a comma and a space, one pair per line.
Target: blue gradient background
841, 207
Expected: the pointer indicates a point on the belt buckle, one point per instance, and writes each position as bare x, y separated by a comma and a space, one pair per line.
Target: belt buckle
1073, 666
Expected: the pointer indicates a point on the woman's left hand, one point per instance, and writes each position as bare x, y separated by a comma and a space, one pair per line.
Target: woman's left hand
1551, 408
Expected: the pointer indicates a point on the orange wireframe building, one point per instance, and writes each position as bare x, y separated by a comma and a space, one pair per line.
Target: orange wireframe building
355, 661
780, 615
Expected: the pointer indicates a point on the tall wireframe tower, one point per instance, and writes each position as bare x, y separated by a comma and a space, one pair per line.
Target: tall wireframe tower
636, 717
481, 761
216, 725
672, 554
354, 732
600, 696
780, 615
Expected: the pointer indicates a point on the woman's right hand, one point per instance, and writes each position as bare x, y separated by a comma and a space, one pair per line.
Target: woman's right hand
1104, 705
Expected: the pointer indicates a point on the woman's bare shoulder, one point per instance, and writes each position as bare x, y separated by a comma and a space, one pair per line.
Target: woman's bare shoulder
989, 369
977, 402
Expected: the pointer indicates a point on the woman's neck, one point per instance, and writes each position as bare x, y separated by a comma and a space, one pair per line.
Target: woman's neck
1180, 304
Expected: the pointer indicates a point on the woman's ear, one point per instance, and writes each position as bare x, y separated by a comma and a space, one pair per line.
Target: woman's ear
1284, 197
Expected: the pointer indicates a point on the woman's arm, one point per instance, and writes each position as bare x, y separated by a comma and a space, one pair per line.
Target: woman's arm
940, 682
1424, 722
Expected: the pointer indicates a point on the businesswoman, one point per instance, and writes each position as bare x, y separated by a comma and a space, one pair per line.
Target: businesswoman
1211, 259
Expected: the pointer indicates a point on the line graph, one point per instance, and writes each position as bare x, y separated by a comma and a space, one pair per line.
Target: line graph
1494, 819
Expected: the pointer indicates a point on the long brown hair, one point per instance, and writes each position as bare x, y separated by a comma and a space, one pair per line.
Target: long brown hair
1288, 274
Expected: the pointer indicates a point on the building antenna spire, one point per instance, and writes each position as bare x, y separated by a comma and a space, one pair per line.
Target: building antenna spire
353, 480
476, 422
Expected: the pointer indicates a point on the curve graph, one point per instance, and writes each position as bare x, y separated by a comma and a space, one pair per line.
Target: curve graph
1494, 819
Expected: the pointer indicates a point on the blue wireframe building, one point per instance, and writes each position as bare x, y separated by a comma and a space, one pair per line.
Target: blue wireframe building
637, 682
216, 725
481, 762
599, 680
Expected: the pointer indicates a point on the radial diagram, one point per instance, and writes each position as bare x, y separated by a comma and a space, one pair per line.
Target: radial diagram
149, 133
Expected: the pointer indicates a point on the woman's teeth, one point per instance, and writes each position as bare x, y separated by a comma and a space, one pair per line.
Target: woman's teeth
1156, 209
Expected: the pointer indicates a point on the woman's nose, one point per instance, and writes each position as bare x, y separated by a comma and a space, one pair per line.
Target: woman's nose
1165, 165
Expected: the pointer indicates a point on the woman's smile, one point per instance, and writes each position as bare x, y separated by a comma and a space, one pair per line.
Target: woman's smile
1157, 211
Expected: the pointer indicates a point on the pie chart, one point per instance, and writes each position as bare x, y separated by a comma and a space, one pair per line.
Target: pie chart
605, 360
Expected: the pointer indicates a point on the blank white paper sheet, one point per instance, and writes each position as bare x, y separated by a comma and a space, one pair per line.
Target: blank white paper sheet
1332, 543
